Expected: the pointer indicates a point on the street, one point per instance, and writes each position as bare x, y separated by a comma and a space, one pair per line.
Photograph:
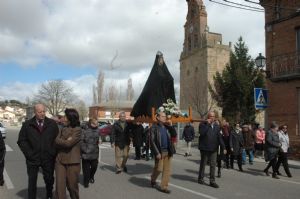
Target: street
252, 183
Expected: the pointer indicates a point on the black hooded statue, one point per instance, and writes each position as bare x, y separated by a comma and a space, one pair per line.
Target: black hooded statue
158, 88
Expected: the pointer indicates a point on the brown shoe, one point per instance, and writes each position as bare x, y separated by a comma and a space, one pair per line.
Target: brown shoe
167, 191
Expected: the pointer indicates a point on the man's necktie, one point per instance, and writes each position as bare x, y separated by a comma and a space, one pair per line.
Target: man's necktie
40, 125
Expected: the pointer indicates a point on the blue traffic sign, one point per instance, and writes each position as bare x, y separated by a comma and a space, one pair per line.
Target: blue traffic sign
260, 98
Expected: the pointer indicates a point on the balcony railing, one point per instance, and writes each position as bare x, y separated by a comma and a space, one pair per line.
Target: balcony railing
285, 66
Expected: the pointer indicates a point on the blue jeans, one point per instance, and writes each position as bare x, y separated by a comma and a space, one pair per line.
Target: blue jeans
248, 152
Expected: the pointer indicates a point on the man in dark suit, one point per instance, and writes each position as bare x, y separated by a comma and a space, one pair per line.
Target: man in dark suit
209, 141
37, 142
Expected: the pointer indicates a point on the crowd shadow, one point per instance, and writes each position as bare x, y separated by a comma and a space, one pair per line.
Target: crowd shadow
192, 171
185, 178
141, 182
40, 193
254, 172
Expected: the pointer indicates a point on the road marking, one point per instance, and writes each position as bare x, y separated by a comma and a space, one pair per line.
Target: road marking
7, 180
8, 148
105, 163
293, 182
188, 190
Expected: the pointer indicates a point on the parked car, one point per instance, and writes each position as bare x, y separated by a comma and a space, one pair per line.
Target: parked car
3, 130
105, 132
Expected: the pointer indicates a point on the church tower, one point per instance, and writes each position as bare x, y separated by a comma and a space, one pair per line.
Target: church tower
202, 56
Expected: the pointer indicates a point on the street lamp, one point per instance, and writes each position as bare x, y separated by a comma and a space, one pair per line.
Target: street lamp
260, 61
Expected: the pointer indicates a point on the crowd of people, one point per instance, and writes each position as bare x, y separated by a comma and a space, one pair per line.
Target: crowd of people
60, 148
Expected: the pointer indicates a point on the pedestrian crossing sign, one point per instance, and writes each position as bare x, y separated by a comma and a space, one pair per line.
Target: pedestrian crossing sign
260, 98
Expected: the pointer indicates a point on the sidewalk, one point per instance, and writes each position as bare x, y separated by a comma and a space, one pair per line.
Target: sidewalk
181, 149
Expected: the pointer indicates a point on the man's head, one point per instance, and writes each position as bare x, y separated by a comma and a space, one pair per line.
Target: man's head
161, 116
122, 116
40, 111
211, 117
245, 127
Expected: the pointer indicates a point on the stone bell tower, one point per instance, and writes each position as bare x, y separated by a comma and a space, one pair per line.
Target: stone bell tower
202, 56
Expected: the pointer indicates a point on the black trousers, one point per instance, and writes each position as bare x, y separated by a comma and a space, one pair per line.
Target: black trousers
137, 152
89, 168
282, 158
212, 158
1, 170
238, 158
272, 164
48, 175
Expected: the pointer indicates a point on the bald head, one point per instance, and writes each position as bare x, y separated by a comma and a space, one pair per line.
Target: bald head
40, 111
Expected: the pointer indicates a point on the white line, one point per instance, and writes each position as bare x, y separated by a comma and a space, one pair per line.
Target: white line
7, 180
105, 163
293, 182
188, 190
8, 148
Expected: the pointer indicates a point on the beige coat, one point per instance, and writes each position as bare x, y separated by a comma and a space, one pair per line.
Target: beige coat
68, 145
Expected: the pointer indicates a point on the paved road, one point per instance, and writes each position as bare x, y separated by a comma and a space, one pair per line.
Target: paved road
135, 184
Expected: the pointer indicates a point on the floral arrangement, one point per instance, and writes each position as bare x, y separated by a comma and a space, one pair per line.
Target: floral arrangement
171, 109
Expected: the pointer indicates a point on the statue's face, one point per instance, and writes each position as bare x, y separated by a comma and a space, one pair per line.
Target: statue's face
160, 61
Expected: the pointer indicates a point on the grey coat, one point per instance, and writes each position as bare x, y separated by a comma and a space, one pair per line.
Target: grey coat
89, 144
272, 145
236, 142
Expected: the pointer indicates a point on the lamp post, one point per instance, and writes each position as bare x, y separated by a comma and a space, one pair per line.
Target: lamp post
260, 62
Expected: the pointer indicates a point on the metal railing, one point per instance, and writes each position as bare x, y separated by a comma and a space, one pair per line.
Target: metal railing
285, 66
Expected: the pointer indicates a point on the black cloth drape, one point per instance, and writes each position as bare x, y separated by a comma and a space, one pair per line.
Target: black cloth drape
158, 88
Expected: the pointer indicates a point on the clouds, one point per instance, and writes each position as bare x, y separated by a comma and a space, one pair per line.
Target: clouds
81, 33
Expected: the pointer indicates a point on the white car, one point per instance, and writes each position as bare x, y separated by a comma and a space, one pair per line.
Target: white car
3, 130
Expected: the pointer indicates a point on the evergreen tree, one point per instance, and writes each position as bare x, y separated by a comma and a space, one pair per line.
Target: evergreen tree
233, 89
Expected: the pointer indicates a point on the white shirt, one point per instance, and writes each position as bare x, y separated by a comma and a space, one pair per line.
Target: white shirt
284, 140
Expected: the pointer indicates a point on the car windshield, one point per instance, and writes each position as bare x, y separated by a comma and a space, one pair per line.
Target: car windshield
103, 126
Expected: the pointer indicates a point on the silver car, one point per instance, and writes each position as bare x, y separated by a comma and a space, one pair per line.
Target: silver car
3, 130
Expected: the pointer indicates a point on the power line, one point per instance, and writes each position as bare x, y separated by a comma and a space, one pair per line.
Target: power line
242, 8
272, 6
243, 5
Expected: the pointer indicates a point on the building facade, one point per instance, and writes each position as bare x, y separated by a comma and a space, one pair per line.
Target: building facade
202, 56
282, 30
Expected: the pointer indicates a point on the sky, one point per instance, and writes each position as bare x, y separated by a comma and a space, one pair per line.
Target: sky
72, 40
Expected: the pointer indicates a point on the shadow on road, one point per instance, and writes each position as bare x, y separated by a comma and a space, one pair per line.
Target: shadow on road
141, 182
192, 171
40, 193
185, 178
255, 172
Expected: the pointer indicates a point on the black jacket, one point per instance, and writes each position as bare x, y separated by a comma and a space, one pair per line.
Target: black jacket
236, 142
38, 146
155, 140
2, 148
137, 133
272, 145
89, 144
121, 137
188, 133
210, 138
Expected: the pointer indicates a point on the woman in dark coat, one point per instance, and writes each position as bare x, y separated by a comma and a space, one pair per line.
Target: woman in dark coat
272, 148
90, 152
236, 142
138, 131
188, 135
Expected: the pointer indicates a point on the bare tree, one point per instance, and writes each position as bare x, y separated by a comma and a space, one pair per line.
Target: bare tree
82, 109
130, 90
56, 95
100, 85
95, 97
112, 93
200, 99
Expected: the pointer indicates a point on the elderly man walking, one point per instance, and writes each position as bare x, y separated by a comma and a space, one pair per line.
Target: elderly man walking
209, 141
37, 142
120, 139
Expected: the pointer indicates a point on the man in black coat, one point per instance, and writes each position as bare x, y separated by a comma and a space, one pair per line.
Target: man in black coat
2, 156
36, 141
137, 133
188, 135
120, 140
209, 141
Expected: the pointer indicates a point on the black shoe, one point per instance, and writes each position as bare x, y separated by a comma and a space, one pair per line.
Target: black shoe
86, 185
267, 172
200, 181
214, 185
278, 173
251, 163
125, 169
185, 155
167, 191
92, 180
289, 175
153, 184
1, 182
275, 176
118, 171
241, 169
219, 174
